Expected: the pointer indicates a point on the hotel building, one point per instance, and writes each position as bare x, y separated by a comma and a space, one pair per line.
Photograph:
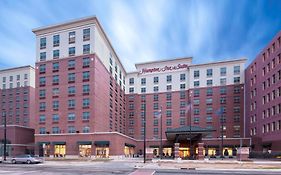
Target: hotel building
88, 105
17, 92
169, 86
263, 98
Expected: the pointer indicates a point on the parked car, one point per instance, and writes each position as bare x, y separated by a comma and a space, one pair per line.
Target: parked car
26, 158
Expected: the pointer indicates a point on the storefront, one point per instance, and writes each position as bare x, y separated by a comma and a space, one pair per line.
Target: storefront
167, 151
44, 149
85, 148
59, 149
102, 149
129, 150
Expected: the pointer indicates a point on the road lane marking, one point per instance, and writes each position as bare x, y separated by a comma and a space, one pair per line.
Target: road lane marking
142, 172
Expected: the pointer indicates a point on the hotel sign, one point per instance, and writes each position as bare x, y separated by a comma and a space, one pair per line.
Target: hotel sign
163, 69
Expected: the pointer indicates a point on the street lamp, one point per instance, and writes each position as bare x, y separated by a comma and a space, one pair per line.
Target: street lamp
144, 133
161, 144
220, 114
5, 133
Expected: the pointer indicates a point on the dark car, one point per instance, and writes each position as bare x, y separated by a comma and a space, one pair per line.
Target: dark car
26, 158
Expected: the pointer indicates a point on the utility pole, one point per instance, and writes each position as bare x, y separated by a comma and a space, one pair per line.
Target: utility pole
161, 144
144, 134
5, 134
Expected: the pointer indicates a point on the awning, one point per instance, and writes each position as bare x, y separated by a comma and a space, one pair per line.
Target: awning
84, 142
102, 143
130, 145
41, 143
187, 132
58, 143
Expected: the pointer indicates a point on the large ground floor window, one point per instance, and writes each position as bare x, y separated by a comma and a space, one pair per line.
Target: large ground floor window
184, 152
129, 151
46, 150
85, 150
102, 152
59, 150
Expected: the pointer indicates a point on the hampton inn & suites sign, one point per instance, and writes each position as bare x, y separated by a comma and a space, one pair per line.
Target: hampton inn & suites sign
163, 69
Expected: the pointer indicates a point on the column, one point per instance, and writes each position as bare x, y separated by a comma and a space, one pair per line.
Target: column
200, 151
176, 150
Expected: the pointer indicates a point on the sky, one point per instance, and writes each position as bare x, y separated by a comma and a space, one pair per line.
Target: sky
148, 30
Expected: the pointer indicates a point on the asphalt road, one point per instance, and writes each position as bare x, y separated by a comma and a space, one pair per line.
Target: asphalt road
106, 168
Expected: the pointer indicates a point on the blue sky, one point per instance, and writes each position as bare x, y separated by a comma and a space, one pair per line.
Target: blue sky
149, 30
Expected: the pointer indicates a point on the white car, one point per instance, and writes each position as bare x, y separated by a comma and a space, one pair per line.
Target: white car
26, 158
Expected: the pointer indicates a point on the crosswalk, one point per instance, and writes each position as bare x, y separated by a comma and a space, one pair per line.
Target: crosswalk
142, 172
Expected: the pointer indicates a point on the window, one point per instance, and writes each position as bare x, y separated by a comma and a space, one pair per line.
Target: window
56, 54
223, 90
42, 130
42, 118
143, 90
209, 91
86, 88
55, 91
169, 78
55, 67
223, 81
155, 106
182, 104
209, 110
43, 43
86, 102
143, 81
86, 34
182, 86
25, 76
42, 93
4, 79
42, 81
42, 68
196, 111
71, 90
86, 129
168, 96
71, 129
223, 71
209, 101
71, 103
209, 82
86, 116
182, 95
71, 51
56, 105
196, 92
86, 49
236, 70
169, 87
168, 105
196, 101
182, 77
71, 116
86, 75
56, 117
209, 72
131, 81
71, 64
42, 106
236, 79
71, 37
155, 80
86, 62
196, 83
169, 122
43, 56
56, 40
236, 89
55, 130
196, 74
222, 100
209, 119
196, 119
236, 99
155, 97
155, 88
56, 79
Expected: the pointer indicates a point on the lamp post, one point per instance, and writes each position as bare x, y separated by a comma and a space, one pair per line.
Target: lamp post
190, 121
220, 114
144, 134
5, 134
161, 144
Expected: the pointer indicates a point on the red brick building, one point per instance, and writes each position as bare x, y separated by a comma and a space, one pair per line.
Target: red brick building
88, 105
17, 93
263, 98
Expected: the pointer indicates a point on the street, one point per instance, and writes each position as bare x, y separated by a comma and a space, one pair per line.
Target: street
114, 167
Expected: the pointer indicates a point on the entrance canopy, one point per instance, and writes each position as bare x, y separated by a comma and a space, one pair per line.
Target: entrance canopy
187, 133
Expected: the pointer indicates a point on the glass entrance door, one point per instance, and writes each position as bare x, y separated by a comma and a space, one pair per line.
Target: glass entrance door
184, 152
